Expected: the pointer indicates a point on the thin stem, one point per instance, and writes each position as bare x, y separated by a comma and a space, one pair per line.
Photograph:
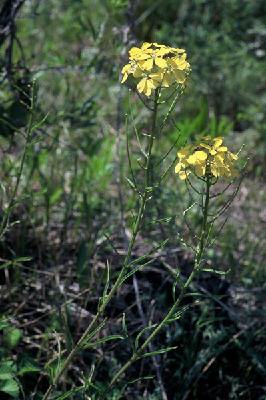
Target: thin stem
171, 313
12, 201
204, 228
90, 331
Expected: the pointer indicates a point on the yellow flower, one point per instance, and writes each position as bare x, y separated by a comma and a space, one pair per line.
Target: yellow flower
216, 147
146, 85
133, 69
126, 70
222, 164
136, 53
157, 66
208, 157
198, 161
184, 152
183, 175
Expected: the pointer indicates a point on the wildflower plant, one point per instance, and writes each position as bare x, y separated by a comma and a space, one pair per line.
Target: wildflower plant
154, 69
156, 66
202, 165
207, 157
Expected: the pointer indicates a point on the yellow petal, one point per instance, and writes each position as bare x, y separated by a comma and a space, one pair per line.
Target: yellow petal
183, 153
145, 86
126, 68
150, 84
222, 149
163, 51
179, 63
183, 175
146, 45
192, 159
200, 155
178, 51
134, 51
147, 91
219, 158
141, 85
178, 168
205, 146
217, 142
233, 156
137, 54
147, 64
124, 78
214, 170
160, 62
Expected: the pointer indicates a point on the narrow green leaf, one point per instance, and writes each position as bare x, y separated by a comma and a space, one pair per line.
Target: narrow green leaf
215, 271
161, 351
106, 339
53, 367
106, 286
22, 259
144, 330
131, 184
178, 314
87, 342
69, 393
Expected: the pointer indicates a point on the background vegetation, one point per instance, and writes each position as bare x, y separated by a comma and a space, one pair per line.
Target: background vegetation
74, 206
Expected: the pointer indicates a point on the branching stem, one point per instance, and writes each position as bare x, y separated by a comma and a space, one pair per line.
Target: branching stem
90, 331
171, 313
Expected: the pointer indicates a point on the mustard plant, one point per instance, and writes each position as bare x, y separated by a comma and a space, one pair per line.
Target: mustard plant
161, 73
159, 68
204, 162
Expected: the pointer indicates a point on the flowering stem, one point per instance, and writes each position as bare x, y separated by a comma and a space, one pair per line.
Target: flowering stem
91, 330
171, 313
204, 227
151, 141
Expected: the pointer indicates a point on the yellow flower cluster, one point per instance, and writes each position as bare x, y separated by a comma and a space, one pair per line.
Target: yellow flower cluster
156, 65
208, 157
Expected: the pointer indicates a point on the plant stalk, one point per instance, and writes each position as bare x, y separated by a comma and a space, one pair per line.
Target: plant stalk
90, 331
12, 202
170, 314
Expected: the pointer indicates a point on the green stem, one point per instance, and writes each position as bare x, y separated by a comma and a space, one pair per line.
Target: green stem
89, 332
12, 201
200, 249
204, 227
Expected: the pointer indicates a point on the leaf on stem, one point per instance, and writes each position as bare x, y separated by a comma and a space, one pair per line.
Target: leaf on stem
105, 339
161, 351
